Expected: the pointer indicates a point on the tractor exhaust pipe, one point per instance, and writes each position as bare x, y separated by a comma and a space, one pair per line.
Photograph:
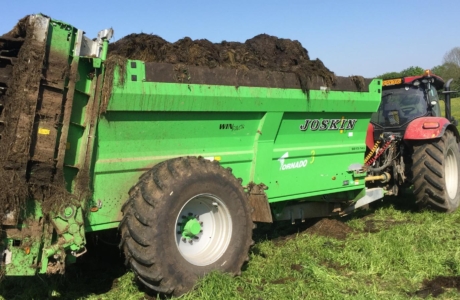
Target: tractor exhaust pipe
447, 92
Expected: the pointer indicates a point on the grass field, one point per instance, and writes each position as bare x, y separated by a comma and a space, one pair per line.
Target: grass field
455, 108
390, 251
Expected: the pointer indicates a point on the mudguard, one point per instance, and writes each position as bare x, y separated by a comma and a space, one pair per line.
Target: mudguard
370, 136
426, 128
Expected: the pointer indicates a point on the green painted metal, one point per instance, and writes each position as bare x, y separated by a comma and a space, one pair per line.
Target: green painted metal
299, 147
249, 129
190, 227
24, 243
69, 226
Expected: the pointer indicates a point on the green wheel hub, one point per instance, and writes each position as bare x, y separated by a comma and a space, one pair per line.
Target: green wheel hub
190, 227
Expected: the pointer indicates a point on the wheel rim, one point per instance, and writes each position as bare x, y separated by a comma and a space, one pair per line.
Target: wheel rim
203, 229
451, 174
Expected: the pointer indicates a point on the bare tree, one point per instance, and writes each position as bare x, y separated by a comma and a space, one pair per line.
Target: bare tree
453, 56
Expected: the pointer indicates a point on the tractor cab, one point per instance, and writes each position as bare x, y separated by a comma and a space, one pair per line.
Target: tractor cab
408, 98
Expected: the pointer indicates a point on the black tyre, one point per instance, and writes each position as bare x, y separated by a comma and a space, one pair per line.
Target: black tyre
436, 173
185, 217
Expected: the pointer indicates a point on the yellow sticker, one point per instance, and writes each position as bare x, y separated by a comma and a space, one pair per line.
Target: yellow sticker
392, 82
341, 124
213, 158
43, 131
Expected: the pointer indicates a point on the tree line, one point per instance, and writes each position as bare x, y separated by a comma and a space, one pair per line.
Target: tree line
450, 68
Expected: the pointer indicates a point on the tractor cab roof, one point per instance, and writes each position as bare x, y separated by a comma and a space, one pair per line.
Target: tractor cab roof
437, 81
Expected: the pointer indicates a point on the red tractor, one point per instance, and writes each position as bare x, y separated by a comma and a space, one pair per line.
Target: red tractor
412, 146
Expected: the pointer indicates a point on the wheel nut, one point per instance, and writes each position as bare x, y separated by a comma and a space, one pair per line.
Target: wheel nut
184, 240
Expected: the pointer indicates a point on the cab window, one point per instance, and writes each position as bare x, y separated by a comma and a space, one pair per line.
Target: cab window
400, 105
433, 96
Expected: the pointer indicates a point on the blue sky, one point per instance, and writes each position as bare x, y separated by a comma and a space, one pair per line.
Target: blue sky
351, 37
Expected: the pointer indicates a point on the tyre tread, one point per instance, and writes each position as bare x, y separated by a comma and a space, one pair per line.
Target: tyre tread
137, 226
428, 174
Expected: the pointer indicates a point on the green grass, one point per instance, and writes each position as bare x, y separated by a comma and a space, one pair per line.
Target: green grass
404, 249
455, 108
389, 254
389, 264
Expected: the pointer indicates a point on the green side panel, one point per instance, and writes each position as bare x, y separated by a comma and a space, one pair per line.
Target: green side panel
317, 160
61, 39
77, 140
256, 131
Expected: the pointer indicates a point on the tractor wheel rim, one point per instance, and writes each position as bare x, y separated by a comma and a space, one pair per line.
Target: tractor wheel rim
451, 174
203, 229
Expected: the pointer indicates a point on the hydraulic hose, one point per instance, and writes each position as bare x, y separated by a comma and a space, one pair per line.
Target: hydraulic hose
370, 162
388, 163
381, 168
376, 145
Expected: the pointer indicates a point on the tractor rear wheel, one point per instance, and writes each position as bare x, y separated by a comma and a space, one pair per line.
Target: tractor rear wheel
436, 172
185, 218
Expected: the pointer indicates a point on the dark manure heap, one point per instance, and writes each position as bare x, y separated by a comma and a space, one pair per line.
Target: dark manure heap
263, 52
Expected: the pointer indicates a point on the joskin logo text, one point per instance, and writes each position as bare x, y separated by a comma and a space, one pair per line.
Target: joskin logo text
328, 124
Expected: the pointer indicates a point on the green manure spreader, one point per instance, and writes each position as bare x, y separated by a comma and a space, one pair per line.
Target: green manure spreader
181, 159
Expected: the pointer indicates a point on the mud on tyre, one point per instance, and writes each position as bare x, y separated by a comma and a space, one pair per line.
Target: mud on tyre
184, 218
436, 167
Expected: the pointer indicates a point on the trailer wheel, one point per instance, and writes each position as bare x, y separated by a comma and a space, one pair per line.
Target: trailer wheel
436, 171
185, 218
